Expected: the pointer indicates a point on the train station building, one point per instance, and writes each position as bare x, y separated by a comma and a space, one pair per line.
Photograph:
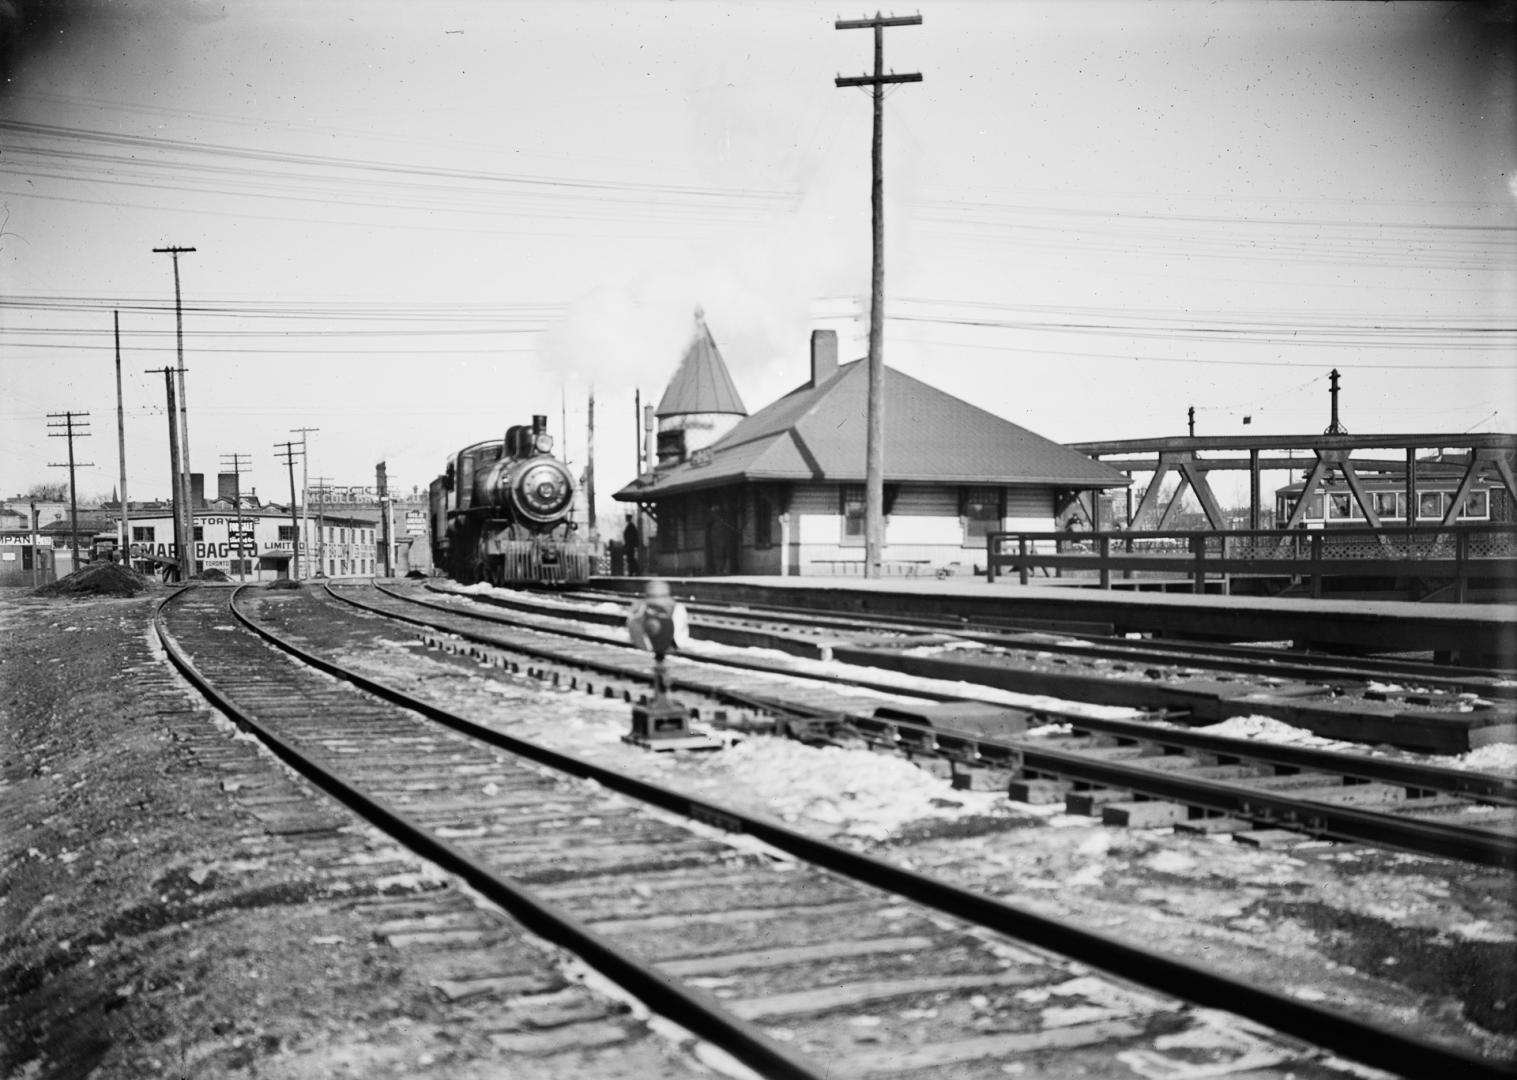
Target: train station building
781, 491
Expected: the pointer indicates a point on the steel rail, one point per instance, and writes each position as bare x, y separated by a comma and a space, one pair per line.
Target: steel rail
1355, 1039
1314, 816
1202, 700
1186, 697
1239, 658
1489, 786
791, 709
693, 1009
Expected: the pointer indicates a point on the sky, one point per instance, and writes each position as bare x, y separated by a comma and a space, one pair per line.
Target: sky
416, 224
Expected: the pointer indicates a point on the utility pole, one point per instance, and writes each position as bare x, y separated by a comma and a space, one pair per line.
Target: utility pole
637, 429
322, 485
126, 513
590, 470
288, 453
181, 549
874, 464
239, 464
36, 551
305, 488
186, 502
382, 481
70, 433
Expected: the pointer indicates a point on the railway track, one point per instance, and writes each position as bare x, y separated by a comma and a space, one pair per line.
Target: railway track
1415, 706
1130, 772
775, 958
1085, 640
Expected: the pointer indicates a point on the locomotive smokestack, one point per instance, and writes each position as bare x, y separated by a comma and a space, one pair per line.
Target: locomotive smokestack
539, 424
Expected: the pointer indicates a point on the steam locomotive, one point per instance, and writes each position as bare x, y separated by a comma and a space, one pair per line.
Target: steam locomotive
500, 513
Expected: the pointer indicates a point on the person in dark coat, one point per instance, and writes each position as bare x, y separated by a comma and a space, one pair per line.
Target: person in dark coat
631, 544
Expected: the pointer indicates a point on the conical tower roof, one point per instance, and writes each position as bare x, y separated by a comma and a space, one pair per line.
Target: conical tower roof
702, 384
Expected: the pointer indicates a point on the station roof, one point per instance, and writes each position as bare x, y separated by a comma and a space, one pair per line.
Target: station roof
702, 384
817, 433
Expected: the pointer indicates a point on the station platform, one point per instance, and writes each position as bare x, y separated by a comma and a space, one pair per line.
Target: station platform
1471, 635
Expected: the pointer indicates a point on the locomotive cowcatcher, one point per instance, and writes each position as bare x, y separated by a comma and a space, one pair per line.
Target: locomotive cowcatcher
500, 513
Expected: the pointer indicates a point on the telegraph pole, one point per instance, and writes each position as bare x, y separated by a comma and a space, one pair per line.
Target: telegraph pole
874, 465
126, 513
382, 482
288, 453
70, 433
181, 549
36, 550
594, 531
239, 463
305, 487
186, 502
637, 429
323, 483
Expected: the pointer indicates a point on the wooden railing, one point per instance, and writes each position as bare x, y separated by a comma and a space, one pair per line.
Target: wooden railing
1455, 553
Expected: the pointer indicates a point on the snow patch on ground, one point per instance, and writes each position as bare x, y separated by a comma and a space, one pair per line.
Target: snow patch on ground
1267, 729
850, 791
1498, 758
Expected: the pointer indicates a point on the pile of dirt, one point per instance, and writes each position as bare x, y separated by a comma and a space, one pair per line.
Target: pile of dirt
98, 579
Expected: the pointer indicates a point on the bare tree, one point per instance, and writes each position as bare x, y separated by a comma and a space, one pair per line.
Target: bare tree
52, 491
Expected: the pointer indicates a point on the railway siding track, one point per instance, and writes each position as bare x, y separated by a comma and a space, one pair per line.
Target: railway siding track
1129, 773
1413, 705
856, 947
1094, 640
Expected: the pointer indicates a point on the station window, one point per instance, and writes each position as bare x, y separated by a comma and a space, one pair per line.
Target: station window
142, 534
851, 509
982, 509
1389, 504
199, 532
287, 532
1477, 504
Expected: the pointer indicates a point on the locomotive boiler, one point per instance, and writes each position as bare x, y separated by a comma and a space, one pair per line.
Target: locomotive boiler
500, 513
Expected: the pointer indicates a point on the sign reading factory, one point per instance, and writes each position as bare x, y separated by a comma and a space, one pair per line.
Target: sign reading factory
331, 545
217, 540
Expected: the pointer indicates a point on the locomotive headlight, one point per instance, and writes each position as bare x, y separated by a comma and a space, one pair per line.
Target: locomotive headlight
543, 444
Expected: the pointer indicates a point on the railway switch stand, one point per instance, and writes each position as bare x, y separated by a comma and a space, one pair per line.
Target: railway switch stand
659, 624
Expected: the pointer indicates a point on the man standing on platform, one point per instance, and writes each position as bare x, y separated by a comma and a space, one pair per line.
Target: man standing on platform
631, 546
